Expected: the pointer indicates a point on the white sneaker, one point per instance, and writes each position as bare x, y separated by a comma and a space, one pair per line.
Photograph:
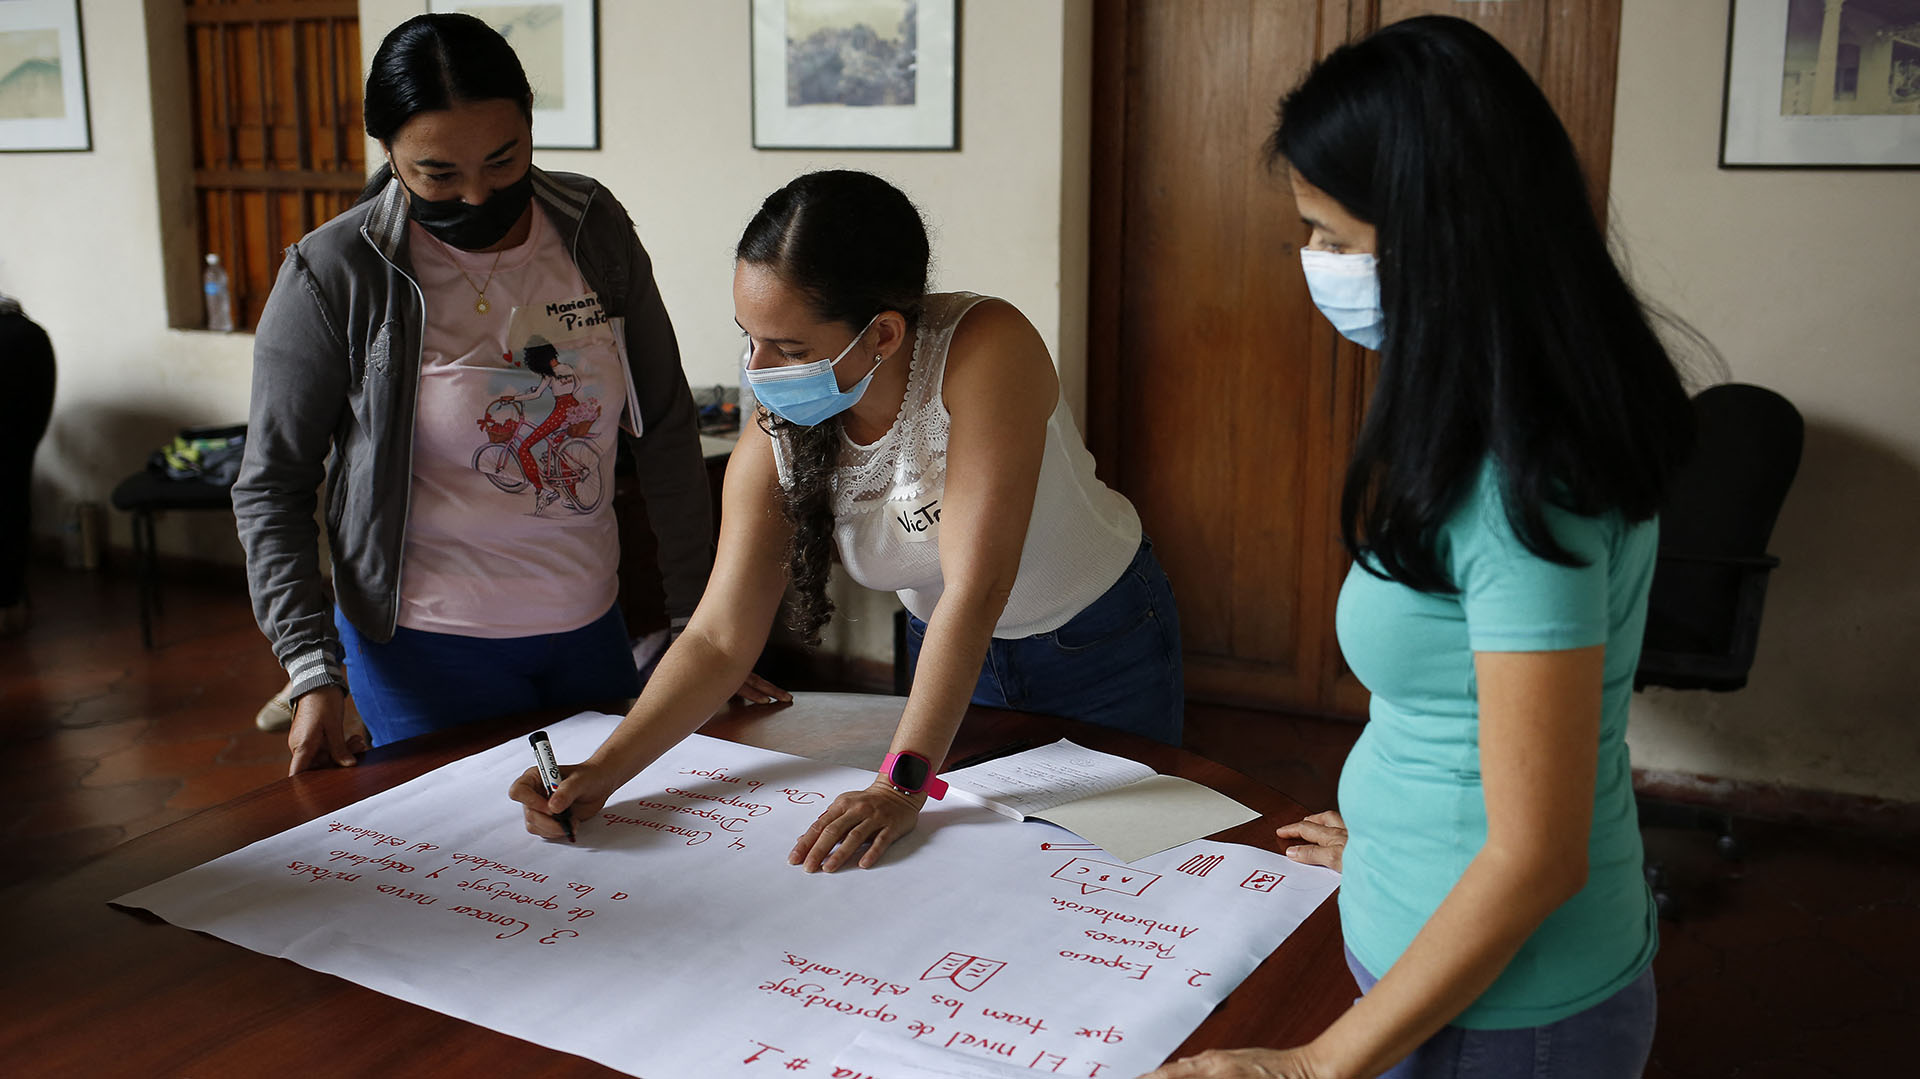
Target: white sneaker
277, 713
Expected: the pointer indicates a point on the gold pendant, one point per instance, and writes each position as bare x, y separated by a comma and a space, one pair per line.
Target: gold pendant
480, 305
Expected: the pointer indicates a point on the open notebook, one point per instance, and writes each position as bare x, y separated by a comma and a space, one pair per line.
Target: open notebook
1125, 807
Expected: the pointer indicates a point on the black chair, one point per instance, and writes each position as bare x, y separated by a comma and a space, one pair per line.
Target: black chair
145, 494
1710, 582
1703, 618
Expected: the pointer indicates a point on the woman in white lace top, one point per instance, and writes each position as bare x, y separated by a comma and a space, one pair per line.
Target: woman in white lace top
924, 437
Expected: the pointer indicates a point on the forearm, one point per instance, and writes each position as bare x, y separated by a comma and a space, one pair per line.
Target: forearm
958, 634
1496, 905
694, 679
290, 600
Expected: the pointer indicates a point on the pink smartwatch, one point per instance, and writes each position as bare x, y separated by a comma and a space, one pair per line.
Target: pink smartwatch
910, 773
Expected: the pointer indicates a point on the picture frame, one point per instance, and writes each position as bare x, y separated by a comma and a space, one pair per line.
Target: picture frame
558, 42
826, 77
43, 78
1810, 87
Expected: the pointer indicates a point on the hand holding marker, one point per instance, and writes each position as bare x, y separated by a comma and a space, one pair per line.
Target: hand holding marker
550, 777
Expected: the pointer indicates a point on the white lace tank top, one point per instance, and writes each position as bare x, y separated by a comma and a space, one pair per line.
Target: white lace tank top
887, 502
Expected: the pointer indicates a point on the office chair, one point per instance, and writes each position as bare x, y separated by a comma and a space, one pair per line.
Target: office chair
1710, 581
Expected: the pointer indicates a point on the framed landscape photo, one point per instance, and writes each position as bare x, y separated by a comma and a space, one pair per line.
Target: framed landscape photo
43, 77
856, 74
1822, 84
558, 43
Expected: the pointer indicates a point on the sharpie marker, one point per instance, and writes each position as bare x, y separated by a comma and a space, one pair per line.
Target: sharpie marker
550, 777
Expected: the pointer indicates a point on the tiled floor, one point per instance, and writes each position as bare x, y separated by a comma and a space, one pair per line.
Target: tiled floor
1798, 961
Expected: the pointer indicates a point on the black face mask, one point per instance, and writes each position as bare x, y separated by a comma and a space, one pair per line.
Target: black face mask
469, 227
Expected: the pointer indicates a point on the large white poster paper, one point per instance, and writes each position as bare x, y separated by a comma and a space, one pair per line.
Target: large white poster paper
699, 952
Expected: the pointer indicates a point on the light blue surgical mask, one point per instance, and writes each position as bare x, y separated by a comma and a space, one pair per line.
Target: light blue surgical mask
807, 393
1346, 289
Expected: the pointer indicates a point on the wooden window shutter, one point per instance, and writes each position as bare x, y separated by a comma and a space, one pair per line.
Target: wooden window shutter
277, 142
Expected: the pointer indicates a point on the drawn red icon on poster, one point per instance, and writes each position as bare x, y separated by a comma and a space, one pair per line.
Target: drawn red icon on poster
1262, 881
1201, 864
969, 972
1094, 876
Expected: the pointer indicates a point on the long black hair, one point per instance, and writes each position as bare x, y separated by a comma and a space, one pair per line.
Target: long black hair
853, 246
1510, 331
434, 61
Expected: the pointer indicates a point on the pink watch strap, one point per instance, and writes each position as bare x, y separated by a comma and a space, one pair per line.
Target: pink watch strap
934, 787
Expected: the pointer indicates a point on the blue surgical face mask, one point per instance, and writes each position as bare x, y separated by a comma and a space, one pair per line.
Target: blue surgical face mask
1346, 289
807, 393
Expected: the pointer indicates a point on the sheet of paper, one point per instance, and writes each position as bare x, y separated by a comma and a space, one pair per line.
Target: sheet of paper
697, 951
1149, 816
1044, 777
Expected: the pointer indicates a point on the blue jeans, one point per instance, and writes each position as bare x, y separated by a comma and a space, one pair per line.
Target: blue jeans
1609, 1040
420, 681
1116, 663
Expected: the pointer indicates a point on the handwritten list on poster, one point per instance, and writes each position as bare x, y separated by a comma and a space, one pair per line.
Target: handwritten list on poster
706, 954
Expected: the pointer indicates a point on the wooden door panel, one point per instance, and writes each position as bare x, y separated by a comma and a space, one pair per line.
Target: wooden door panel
1212, 317
1570, 47
1218, 400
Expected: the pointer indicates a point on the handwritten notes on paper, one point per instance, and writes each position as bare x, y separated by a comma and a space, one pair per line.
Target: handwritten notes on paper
1121, 805
705, 954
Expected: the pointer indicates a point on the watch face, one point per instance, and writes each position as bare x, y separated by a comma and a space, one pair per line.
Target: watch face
910, 773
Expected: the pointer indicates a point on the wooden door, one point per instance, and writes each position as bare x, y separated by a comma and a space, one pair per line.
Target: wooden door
1218, 400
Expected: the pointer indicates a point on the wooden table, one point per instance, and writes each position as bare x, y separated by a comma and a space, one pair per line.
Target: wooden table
94, 990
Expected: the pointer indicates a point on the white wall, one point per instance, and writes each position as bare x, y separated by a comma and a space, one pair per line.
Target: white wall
80, 233
1806, 280
80, 247
677, 149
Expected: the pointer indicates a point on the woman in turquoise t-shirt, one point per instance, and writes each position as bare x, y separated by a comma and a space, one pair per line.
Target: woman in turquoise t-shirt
1500, 509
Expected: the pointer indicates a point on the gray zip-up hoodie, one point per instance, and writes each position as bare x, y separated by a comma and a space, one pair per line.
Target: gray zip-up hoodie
336, 369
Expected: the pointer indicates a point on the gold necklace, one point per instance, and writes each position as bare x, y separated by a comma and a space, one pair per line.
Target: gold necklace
480, 291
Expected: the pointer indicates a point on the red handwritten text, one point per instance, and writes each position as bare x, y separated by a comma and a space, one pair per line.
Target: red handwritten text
811, 995
754, 809
480, 863
1117, 963
320, 873
365, 833
1033, 1024
974, 1041
848, 978
495, 919
719, 775
381, 864
499, 889
1163, 949
694, 836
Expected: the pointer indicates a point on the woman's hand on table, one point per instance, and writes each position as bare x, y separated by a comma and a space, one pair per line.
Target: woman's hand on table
872, 818
320, 736
757, 690
1325, 835
583, 791
1240, 1064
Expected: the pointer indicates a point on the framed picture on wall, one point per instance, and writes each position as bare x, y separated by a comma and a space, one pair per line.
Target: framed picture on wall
1822, 84
43, 77
856, 75
558, 42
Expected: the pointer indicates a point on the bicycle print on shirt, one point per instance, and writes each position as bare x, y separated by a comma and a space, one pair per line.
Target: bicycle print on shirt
557, 459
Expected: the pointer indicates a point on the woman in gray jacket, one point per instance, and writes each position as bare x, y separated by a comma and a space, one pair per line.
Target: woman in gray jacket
395, 341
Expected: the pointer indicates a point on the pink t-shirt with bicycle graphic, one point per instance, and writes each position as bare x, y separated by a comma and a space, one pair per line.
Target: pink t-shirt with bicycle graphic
511, 532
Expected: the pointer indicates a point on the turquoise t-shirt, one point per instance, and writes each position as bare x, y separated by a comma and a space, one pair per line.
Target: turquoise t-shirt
1411, 793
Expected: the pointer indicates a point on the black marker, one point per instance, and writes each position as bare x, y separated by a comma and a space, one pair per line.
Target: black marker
550, 777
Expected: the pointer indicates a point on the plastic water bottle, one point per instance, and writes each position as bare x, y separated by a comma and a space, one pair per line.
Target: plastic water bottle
219, 297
